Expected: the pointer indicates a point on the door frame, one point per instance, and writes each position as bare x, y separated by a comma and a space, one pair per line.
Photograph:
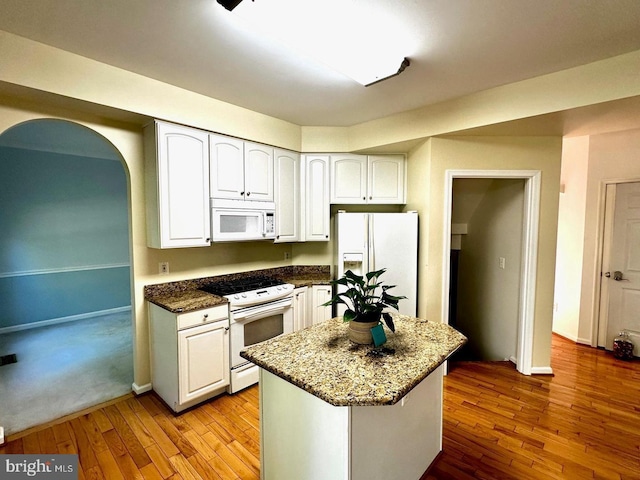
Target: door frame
606, 203
528, 272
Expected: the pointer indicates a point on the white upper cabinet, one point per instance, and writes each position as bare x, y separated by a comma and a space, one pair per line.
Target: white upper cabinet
287, 195
240, 170
358, 179
227, 167
386, 179
316, 198
177, 186
258, 172
348, 179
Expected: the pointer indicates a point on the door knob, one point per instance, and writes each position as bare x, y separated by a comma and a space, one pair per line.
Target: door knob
617, 275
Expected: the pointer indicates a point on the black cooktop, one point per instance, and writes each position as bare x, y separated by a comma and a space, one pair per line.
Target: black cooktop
245, 284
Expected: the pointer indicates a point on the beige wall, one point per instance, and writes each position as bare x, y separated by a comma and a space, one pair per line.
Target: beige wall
571, 230
613, 157
426, 169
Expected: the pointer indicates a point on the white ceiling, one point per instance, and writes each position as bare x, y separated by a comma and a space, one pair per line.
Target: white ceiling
458, 47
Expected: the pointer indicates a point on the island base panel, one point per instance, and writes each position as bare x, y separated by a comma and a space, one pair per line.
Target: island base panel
305, 437
302, 437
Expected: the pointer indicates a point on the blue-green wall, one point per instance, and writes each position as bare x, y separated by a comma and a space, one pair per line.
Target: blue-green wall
62, 219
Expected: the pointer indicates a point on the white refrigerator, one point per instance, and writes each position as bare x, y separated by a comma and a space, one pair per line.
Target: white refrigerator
372, 241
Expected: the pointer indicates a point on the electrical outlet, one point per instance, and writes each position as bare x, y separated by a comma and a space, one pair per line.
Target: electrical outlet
163, 267
287, 255
502, 262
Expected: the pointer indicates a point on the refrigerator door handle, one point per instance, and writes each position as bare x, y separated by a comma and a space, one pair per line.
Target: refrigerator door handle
372, 248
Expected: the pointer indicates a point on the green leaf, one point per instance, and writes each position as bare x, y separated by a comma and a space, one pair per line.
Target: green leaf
377, 273
389, 321
348, 315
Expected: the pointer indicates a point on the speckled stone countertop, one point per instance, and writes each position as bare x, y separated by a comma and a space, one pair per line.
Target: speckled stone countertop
183, 296
324, 362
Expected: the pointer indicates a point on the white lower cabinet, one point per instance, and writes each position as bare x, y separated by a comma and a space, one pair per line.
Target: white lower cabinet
189, 355
320, 294
300, 309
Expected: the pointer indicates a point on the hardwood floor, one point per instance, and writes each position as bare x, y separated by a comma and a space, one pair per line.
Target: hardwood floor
583, 422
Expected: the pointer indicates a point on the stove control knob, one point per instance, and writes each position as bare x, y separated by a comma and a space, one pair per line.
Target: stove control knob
278, 288
244, 295
236, 297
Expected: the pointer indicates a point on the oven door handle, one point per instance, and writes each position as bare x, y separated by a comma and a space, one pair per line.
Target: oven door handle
262, 311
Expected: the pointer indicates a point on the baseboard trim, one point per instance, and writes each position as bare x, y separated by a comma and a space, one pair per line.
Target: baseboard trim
573, 338
140, 389
71, 318
541, 371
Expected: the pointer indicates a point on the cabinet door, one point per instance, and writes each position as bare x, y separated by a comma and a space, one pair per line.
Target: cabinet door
203, 356
300, 317
287, 195
386, 179
317, 206
321, 294
349, 179
227, 167
258, 172
183, 187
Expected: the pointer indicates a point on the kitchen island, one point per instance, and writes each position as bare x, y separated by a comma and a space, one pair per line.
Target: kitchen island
330, 409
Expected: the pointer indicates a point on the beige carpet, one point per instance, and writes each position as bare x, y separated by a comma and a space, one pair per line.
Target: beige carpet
64, 368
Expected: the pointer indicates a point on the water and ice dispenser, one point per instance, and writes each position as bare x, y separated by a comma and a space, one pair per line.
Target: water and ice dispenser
353, 262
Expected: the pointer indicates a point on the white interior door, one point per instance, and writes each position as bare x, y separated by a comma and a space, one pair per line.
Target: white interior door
623, 273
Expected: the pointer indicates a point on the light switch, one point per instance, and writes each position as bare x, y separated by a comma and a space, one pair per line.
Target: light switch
502, 262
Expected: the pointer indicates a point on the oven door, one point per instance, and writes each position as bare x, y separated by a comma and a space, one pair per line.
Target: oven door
256, 324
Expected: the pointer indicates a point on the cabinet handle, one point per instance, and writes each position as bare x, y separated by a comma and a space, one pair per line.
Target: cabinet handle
370, 198
204, 317
248, 193
364, 198
226, 329
242, 194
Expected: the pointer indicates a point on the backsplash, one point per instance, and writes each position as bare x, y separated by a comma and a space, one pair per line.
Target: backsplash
290, 273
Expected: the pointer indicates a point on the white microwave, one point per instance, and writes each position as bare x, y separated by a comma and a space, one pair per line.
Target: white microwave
242, 220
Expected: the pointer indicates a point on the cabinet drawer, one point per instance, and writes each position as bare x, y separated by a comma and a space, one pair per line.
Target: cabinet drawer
200, 317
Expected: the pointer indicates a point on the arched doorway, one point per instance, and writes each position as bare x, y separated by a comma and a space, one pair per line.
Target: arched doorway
64, 273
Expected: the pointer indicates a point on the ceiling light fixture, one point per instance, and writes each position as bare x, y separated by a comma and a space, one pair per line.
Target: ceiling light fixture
229, 4
349, 36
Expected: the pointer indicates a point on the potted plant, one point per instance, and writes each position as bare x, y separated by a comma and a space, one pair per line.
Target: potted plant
365, 298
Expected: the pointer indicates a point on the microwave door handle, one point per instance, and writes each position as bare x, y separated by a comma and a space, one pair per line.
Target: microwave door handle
264, 223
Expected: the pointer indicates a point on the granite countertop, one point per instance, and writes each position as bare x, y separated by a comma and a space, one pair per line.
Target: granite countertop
184, 296
324, 362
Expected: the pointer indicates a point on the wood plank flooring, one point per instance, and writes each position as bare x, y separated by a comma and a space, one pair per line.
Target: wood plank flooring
583, 422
